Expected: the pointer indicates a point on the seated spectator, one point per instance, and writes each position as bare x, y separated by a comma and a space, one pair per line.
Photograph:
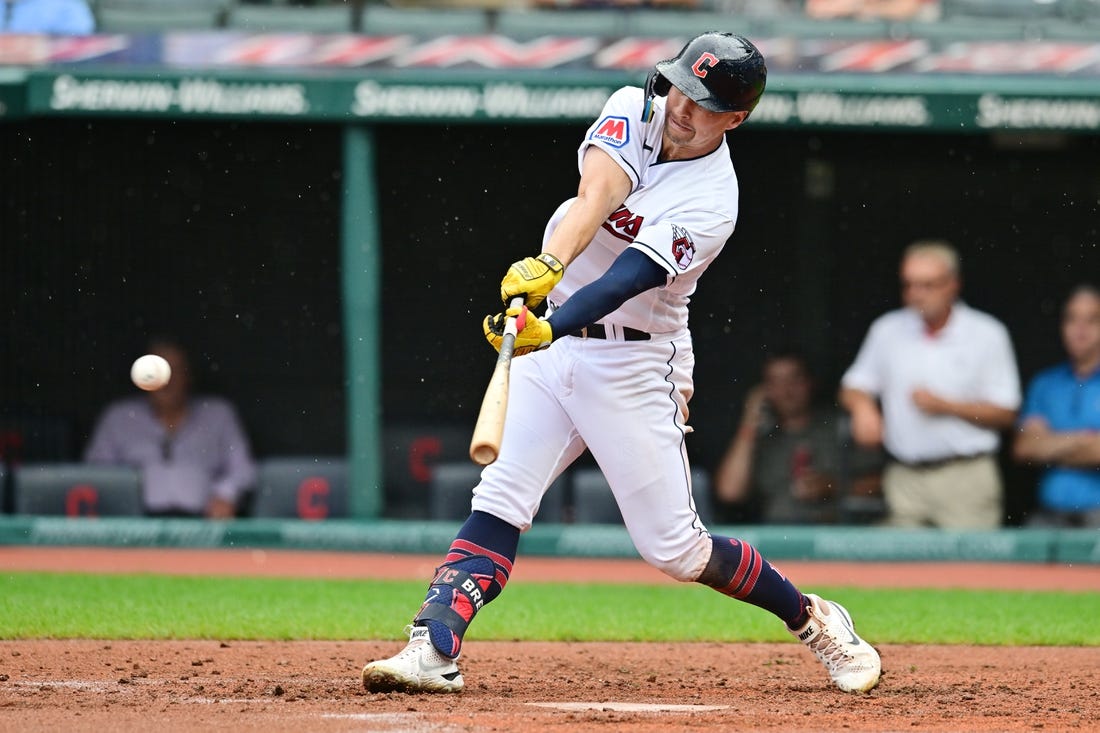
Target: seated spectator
786, 455
1060, 423
193, 452
874, 9
55, 17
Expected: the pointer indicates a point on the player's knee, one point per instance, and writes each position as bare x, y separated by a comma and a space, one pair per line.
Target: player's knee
685, 564
503, 506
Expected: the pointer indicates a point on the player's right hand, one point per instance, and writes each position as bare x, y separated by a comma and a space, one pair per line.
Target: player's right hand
532, 279
532, 333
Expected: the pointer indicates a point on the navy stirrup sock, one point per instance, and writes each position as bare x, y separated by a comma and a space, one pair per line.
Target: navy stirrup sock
474, 572
737, 569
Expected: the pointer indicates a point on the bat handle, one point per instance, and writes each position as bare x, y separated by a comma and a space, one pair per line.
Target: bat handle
510, 331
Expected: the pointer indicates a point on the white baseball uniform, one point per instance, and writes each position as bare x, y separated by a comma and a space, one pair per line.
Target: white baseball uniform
625, 400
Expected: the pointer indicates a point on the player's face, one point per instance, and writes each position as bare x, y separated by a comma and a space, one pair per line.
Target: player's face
928, 286
1081, 327
691, 130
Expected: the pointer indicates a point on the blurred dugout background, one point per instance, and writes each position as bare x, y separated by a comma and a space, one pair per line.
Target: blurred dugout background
227, 235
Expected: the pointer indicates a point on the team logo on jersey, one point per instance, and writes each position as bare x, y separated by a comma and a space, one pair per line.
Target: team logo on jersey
683, 249
615, 131
624, 224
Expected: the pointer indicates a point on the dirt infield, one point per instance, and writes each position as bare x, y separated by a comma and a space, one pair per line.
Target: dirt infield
295, 686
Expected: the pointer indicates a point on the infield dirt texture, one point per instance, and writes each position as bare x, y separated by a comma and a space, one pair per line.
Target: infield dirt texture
169, 686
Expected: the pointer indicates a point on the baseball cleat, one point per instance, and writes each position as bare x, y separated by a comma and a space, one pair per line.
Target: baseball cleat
853, 664
419, 667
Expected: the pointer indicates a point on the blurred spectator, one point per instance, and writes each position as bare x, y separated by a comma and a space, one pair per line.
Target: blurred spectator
874, 9
946, 376
56, 17
1060, 422
194, 454
785, 457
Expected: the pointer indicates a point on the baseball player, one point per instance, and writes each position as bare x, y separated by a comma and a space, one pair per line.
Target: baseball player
608, 367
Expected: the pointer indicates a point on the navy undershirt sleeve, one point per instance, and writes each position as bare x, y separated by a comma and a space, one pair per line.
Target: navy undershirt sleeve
631, 273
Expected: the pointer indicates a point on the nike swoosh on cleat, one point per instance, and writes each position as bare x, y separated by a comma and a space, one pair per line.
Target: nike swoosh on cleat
851, 632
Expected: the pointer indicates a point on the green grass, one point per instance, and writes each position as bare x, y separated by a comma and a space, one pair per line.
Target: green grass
45, 605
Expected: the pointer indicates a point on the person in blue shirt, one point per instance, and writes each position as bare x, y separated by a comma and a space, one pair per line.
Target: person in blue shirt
1059, 427
54, 17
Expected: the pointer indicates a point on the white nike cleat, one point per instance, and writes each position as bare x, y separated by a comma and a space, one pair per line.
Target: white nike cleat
853, 664
419, 667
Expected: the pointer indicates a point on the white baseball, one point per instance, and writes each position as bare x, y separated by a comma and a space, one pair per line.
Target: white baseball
150, 372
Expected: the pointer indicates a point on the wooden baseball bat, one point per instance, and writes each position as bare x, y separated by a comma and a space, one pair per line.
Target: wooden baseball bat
489, 429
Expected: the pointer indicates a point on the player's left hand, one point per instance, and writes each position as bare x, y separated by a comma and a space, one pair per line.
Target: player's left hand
532, 279
532, 333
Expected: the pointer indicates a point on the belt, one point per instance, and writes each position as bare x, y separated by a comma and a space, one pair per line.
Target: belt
598, 331
940, 462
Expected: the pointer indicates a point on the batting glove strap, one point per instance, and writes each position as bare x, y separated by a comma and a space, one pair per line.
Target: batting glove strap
532, 278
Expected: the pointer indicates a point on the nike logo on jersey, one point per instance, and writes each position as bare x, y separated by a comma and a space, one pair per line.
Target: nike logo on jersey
614, 131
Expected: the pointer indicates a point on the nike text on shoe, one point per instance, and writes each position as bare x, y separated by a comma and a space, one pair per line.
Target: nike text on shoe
853, 664
419, 667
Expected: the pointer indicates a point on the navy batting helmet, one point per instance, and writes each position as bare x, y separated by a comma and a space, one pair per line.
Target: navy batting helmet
722, 72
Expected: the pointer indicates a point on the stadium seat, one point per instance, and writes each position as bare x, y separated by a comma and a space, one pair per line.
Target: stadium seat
962, 30
384, 20
452, 485
526, 24
152, 16
301, 487
593, 502
668, 24
77, 490
449, 489
293, 19
832, 29
1008, 9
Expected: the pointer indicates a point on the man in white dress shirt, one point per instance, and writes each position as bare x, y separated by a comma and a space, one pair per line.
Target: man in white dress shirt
935, 382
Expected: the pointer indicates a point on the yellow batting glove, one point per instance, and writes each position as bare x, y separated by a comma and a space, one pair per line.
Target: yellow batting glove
532, 279
532, 333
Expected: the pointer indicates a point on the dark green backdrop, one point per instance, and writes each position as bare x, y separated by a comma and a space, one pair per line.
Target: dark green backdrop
226, 234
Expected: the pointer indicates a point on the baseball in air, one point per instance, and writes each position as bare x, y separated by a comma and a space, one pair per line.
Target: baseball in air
150, 372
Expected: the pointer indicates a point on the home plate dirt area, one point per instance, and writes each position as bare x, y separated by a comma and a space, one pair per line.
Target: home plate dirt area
95, 685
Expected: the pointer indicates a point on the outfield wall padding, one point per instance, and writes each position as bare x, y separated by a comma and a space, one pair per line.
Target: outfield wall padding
596, 541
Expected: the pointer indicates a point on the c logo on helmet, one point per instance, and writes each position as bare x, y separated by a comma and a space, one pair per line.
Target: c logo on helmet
703, 64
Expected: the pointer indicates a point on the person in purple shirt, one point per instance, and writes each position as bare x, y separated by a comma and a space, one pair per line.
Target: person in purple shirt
193, 452
55, 17
1059, 427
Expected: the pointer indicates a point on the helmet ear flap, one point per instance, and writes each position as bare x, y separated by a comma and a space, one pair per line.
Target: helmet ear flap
655, 86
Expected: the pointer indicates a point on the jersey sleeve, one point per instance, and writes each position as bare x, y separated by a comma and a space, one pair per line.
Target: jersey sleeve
684, 242
619, 132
